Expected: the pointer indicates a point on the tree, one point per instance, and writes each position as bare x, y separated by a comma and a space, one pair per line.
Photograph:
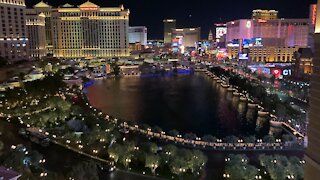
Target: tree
35, 158
151, 147
170, 150
152, 162
178, 166
250, 172
231, 139
173, 133
14, 159
209, 138
190, 136
287, 138
250, 139
115, 152
156, 129
198, 161
126, 159
86, 170
269, 139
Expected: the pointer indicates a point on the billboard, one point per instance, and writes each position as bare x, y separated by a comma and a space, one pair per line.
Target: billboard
243, 56
220, 31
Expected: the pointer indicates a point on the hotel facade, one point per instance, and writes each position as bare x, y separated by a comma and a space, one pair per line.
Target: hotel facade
13, 32
294, 32
312, 155
90, 31
37, 33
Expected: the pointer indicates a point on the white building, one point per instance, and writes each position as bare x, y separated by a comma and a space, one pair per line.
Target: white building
13, 31
90, 31
138, 34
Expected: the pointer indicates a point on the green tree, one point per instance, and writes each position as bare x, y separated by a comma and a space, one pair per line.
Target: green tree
115, 152
198, 161
173, 133
250, 139
152, 162
209, 138
269, 139
156, 129
178, 166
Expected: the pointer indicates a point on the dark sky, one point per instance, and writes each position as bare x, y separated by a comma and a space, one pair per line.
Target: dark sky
203, 13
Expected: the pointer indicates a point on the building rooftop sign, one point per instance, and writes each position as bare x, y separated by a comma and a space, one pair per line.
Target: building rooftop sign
88, 6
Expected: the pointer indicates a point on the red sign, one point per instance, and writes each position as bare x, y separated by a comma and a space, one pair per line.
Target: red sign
276, 72
314, 14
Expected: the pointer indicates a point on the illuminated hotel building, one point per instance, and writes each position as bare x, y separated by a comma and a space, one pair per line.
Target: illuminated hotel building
294, 32
13, 31
312, 167
187, 37
36, 33
264, 14
267, 54
90, 31
168, 24
46, 9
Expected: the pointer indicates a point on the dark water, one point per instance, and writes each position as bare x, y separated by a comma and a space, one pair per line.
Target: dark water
188, 103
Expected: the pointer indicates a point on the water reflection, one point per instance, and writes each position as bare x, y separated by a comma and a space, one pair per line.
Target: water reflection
189, 103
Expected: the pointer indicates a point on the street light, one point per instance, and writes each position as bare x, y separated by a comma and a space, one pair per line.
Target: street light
227, 176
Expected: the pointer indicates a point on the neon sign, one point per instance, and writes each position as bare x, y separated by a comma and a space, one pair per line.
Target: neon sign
276, 72
314, 14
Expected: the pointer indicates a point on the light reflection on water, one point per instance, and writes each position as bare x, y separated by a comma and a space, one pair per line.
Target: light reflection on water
188, 103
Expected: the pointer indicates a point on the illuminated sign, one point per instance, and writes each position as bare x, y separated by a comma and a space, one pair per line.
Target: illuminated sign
286, 72
276, 72
220, 31
243, 56
89, 8
248, 24
314, 14
258, 42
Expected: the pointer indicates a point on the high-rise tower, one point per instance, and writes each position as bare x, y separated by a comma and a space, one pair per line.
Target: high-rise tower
312, 168
13, 31
169, 24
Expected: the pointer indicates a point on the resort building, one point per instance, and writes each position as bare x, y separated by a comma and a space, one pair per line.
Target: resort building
90, 31
13, 31
36, 33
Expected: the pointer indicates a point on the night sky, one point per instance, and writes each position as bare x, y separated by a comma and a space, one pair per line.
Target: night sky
194, 13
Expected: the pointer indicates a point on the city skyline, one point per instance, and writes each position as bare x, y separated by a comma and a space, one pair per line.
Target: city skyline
189, 14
